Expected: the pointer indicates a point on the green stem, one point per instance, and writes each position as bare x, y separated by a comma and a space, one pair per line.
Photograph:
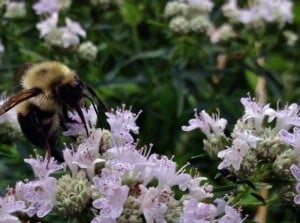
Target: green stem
135, 37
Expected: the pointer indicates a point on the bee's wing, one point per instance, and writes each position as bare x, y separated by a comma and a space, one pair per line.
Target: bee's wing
18, 98
94, 94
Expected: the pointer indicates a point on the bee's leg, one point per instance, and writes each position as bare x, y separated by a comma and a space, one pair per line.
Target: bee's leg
34, 131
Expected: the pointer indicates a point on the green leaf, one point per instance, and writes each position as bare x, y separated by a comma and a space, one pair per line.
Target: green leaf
251, 79
132, 13
259, 197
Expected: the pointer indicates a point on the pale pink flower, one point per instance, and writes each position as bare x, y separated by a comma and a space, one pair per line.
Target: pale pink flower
9, 205
47, 25
71, 33
248, 137
133, 162
114, 195
295, 170
207, 124
164, 170
42, 167
233, 156
69, 39
198, 191
77, 128
292, 139
152, 207
254, 111
197, 212
285, 118
122, 123
232, 215
39, 195
75, 28
86, 156
46, 6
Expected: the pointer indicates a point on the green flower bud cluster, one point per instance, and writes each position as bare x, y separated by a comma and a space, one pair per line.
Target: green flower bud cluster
131, 212
287, 192
174, 211
54, 38
291, 37
283, 162
271, 145
88, 51
214, 144
270, 151
248, 165
72, 195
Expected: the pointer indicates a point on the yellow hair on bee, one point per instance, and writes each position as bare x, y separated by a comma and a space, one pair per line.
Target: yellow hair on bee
47, 74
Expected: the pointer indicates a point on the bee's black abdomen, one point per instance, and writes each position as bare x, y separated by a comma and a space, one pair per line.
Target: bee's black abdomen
32, 129
37, 126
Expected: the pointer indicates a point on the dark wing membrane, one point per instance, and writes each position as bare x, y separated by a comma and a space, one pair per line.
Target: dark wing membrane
94, 94
18, 98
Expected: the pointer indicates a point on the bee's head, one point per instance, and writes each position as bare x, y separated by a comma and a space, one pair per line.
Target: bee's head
70, 93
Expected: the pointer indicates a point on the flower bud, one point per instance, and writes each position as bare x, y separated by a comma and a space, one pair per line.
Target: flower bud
175, 8
271, 146
249, 165
291, 37
283, 162
54, 38
88, 51
214, 144
174, 212
131, 212
179, 24
200, 23
15, 10
287, 193
72, 195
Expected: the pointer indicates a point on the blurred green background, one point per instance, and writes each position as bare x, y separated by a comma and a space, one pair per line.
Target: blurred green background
143, 64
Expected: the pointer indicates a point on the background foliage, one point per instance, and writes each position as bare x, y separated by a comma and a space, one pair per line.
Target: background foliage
142, 63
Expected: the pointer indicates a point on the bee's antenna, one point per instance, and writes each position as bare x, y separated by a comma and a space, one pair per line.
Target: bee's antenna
80, 113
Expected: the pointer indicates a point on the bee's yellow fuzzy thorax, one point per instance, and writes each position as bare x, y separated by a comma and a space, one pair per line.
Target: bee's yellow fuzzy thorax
45, 75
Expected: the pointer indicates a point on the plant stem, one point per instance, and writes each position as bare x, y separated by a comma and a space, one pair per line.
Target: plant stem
261, 214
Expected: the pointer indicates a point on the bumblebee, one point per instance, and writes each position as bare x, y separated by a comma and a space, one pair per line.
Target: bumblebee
49, 91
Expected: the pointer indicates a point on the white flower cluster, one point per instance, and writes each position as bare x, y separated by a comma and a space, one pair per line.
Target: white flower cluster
8, 121
260, 12
195, 16
68, 36
119, 182
260, 137
13, 9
